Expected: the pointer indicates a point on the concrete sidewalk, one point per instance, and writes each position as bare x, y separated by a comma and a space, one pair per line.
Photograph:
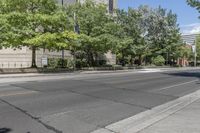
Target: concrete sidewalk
186, 120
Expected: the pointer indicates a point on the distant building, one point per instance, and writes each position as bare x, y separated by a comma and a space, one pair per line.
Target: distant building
189, 40
112, 4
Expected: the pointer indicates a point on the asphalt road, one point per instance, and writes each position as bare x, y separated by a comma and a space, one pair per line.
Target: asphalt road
82, 104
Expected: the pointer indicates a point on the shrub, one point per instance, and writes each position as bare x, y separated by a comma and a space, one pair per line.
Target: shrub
158, 61
81, 63
57, 63
102, 62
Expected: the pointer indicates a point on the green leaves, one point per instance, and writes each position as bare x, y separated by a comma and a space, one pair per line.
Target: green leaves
31, 6
198, 47
34, 22
147, 32
194, 3
134, 34
56, 41
98, 30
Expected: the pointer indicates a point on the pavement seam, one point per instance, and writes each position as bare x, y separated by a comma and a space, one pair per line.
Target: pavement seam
32, 117
144, 107
26, 88
107, 85
131, 90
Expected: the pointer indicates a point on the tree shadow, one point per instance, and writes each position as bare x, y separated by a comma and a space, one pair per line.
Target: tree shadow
186, 74
194, 74
5, 130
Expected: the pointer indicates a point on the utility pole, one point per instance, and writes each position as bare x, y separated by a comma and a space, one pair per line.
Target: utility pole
76, 30
63, 51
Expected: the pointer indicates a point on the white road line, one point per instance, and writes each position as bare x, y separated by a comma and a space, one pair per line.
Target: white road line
59, 114
176, 85
17, 93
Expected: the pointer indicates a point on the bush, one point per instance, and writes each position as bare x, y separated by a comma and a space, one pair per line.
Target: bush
102, 62
81, 63
158, 61
57, 63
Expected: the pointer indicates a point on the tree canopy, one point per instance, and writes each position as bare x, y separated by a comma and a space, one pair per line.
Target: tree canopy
195, 4
36, 24
137, 36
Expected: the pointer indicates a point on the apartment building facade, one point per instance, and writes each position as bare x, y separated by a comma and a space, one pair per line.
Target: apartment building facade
21, 58
112, 4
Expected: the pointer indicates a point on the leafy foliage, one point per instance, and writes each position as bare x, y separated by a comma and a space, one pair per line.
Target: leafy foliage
198, 47
158, 61
136, 36
148, 33
35, 24
194, 3
96, 36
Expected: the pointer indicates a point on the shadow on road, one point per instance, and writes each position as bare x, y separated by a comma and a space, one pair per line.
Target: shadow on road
186, 74
194, 74
5, 130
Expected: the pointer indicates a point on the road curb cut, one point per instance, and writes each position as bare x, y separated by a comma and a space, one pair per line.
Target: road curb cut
145, 119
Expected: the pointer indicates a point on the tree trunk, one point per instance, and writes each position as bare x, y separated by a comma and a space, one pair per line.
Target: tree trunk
140, 60
131, 60
123, 59
92, 59
97, 59
34, 57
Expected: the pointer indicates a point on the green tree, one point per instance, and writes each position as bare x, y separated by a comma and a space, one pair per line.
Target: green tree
198, 47
160, 31
158, 61
35, 24
95, 35
195, 4
148, 33
129, 44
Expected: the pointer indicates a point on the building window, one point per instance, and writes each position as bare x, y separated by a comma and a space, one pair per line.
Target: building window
111, 6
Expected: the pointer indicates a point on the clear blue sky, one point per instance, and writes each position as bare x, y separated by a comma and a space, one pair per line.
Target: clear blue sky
187, 16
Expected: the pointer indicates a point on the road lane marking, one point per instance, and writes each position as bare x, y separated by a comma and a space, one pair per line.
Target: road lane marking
176, 85
17, 93
139, 79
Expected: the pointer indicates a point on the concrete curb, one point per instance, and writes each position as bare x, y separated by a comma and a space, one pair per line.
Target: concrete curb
145, 119
93, 72
57, 74
52, 71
